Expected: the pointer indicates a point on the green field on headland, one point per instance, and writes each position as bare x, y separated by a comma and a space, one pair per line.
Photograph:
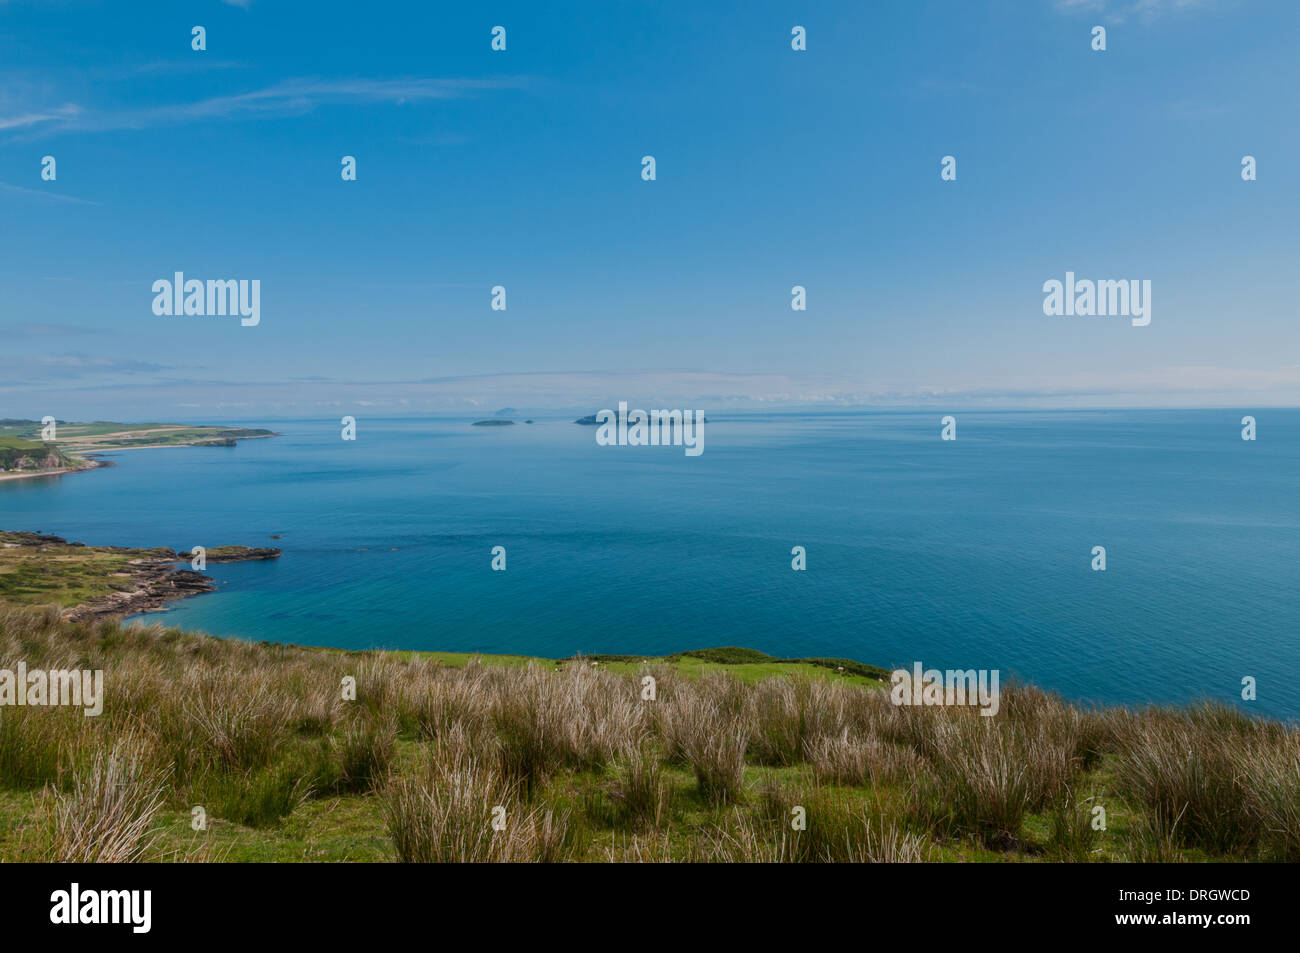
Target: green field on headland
25, 451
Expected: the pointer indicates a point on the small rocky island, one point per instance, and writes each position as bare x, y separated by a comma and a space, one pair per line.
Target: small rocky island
235, 554
591, 421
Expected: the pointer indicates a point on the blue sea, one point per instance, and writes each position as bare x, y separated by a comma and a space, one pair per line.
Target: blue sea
974, 553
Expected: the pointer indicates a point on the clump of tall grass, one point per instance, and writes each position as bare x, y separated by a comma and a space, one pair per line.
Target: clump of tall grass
463, 811
777, 707
108, 815
641, 794
1214, 778
1154, 839
707, 725
983, 780
747, 841
713, 744
1072, 836
983, 775
365, 751
579, 718
1172, 768
316, 700
848, 759
790, 715
253, 797
239, 719
39, 746
817, 825
452, 697
1270, 773
446, 817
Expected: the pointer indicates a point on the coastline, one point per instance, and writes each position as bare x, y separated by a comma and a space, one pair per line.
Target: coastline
162, 446
90, 457
102, 582
144, 581
26, 475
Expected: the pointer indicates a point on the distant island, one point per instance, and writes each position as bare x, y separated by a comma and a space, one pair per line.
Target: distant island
591, 421
23, 452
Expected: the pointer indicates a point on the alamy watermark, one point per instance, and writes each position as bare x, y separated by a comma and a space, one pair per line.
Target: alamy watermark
67, 687
182, 297
951, 687
1125, 298
657, 428
130, 907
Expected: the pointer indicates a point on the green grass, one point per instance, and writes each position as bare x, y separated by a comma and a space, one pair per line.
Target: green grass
588, 770
747, 672
750, 665
687, 665
64, 576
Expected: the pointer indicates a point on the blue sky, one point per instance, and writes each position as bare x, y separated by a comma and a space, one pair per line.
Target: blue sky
522, 168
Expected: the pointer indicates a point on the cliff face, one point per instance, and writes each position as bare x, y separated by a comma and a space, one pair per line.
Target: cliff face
37, 459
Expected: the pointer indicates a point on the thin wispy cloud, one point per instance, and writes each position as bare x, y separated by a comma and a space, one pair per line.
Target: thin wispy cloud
39, 369
290, 97
1119, 10
55, 196
24, 120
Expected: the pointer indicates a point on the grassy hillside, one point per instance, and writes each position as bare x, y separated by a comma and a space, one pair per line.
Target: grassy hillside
714, 768
19, 443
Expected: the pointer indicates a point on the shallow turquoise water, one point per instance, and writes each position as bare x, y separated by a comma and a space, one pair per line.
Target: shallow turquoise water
971, 554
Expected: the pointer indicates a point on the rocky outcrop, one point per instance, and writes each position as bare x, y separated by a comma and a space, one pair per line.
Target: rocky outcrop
148, 579
235, 554
154, 582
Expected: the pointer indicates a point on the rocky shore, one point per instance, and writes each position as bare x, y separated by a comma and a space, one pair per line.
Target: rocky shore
130, 580
153, 582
